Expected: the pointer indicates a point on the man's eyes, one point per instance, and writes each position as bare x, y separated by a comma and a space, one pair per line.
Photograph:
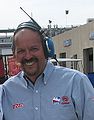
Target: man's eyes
31, 49
20, 51
34, 49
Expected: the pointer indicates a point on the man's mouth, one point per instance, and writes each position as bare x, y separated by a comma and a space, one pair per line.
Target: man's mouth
30, 62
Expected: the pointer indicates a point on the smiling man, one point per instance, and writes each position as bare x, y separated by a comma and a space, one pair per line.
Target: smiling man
29, 53
42, 91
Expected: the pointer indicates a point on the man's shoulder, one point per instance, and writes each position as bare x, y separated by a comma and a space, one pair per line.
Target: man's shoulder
13, 79
1, 87
68, 71
1, 91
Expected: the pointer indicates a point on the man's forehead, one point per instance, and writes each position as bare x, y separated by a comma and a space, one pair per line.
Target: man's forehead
28, 32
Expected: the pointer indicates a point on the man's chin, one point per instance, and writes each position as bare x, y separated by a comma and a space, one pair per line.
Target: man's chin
29, 72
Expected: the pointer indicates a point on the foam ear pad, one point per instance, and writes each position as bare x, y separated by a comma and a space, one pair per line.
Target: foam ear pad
49, 47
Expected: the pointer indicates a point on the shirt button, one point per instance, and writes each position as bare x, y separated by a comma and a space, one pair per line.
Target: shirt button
36, 91
36, 108
45, 83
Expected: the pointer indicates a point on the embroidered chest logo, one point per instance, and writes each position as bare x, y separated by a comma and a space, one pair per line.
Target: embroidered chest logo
17, 105
56, 100
61, 100
65, 100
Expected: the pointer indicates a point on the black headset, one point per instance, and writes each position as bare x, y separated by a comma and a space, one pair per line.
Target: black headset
47, 42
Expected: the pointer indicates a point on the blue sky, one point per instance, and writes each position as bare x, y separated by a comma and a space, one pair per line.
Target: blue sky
44, 10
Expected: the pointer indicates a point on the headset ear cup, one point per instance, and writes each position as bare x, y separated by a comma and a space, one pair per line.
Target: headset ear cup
49, 47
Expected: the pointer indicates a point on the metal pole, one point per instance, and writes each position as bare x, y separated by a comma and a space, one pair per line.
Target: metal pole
66, 11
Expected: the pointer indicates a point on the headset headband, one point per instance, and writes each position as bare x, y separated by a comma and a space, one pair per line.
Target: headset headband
48, 45
29, 24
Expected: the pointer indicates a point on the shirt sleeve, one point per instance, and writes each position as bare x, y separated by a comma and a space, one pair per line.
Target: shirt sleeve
1, 111
89, 100
83, 96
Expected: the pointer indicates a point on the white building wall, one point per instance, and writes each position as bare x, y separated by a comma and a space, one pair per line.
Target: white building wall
79, 41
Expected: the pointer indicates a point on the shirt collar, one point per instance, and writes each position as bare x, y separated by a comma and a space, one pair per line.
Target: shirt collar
48, 72
45, 76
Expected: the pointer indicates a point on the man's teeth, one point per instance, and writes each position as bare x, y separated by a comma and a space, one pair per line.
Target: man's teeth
29, 63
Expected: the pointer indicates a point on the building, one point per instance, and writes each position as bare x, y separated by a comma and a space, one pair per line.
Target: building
5, 51
73, 42
77, 43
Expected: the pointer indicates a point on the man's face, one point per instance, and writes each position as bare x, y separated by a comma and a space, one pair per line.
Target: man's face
29, 52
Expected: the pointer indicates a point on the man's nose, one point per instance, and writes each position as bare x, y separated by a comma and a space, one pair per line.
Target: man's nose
28, 54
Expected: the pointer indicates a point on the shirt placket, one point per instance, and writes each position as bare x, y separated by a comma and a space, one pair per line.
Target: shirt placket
36, 102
